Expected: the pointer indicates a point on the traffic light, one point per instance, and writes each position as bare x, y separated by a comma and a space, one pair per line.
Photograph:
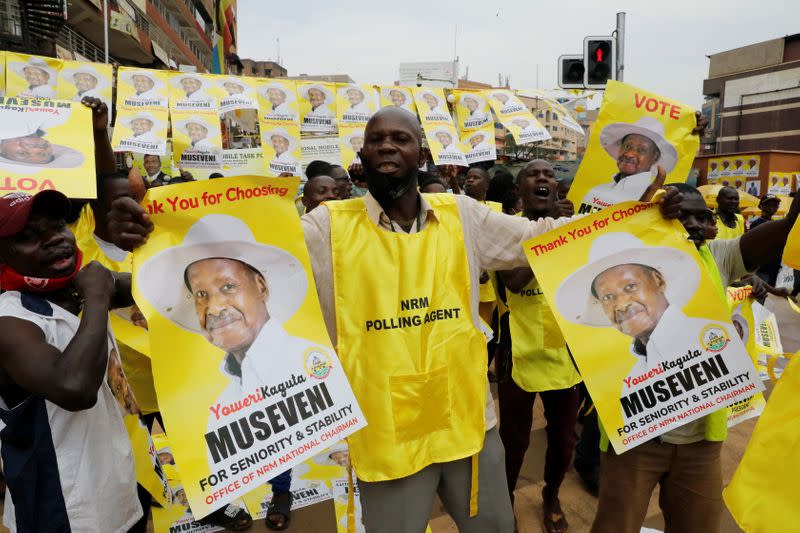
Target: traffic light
570, 71
600, 60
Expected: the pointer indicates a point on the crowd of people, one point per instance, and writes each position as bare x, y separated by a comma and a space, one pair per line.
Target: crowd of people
66, 457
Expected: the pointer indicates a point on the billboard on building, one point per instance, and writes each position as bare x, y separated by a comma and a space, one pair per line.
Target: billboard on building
429, 74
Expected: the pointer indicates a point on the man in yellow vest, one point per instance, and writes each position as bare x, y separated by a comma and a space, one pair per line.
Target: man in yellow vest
685, 462
541, 362
397, 276
729, 222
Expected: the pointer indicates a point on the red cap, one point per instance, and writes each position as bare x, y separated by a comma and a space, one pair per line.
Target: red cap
16, 208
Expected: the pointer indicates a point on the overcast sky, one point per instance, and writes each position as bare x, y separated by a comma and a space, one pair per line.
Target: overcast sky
666, 42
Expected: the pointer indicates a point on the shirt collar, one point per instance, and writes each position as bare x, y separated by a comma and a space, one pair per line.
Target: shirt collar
662, 337
378, 216
270, 333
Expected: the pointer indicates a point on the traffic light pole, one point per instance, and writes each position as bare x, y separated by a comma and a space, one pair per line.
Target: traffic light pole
620, 45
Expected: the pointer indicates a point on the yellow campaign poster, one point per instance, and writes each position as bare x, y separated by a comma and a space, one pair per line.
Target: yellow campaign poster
141, 131
351, 141
139, 88
779, 183
516, 118
740, 302
196, 139
236, 92
791, 252
312, 481
79, 79
767, 339
43, 146
636, 133
277, 101
444, 144
2, 73
192, 92
745, 165
472, 110
651, 335
155, 165
478, 145
247, 380
355, 103
432, 106
317, 107
31, 76
396, 96
281, 146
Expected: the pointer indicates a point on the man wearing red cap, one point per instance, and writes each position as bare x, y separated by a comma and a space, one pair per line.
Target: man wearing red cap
66, 455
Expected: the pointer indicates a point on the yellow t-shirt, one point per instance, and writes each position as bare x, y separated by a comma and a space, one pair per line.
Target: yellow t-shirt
730, 233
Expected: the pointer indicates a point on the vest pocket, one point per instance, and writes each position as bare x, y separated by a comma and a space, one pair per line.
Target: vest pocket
420, 404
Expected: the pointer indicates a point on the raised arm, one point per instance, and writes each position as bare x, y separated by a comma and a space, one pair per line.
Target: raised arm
69, 379
104, 160
765, 242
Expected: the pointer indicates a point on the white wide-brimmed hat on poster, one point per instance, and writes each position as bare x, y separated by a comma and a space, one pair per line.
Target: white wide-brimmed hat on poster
183, 124
157, 125
474, 97
344, 91
328, 95
423, 94
69, 74
612, 135
281, 132
177, 80
348, 139
128, 76
288, 94
233, 81
443, 131
325, 458
477, 134
34, 62
161, 278
574, 297
24, 123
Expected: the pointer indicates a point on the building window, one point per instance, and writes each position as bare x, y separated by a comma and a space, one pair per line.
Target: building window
555, 115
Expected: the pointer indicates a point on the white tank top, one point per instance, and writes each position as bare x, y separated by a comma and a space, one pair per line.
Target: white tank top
78, 472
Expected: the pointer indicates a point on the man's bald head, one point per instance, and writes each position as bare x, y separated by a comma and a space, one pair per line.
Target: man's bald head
396, 116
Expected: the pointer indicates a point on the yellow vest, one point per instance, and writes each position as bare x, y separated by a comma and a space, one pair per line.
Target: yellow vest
488, 293
541, 359
407, 340
132, 340
730, 233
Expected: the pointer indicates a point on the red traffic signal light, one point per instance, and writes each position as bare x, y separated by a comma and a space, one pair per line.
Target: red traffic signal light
600, 56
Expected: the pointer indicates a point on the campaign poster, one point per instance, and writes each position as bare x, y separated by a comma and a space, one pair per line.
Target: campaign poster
141, 131
768, 343
779, 183
31, 76
139, 88
78, 80
478, 145
516, 118
236, 92
192, 92
247, 380
341, 498
432, 106
791, 252
43, 146
649, 332
636, 134
196, 139
355, 103
277, 101
317, 107
444, 144
280, 144
151, 167
564, 116
472, 110
351, 141
2, 73
311, 481
740, 302
753, 187
396, 96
